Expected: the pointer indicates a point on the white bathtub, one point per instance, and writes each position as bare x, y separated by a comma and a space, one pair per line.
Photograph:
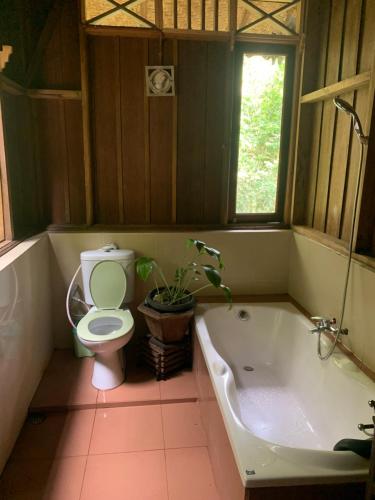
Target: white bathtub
283, 417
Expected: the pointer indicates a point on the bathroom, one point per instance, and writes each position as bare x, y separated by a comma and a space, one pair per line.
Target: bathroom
94, 150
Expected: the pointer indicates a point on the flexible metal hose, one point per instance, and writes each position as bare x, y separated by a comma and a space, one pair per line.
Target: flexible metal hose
350, 253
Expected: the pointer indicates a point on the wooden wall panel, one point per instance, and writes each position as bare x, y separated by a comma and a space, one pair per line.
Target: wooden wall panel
74, 155
161, 139
134, 130
333, 64
59, 66
23, 179
104, 65
49, 157
216, 140
335, 151
192, 58
201, 131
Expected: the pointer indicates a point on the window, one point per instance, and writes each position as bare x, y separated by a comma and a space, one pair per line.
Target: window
266, 17
261, 128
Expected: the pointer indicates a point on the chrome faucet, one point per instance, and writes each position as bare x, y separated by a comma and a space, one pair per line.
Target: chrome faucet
326, 325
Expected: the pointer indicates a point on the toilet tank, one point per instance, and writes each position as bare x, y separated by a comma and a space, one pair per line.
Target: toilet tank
90, 258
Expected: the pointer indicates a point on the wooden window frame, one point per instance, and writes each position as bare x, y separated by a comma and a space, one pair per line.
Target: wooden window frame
5, 210
286, 123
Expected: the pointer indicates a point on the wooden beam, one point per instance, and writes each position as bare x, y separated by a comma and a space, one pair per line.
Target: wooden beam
54, 94
10, 86
52, 19
353, 83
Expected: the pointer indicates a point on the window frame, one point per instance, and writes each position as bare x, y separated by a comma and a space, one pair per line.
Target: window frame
289, 51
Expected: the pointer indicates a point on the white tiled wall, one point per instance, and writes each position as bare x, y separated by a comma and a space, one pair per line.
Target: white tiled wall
316, 281
255, 261
26, 340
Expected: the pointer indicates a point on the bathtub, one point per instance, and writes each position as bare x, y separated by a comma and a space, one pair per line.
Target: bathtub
282, 407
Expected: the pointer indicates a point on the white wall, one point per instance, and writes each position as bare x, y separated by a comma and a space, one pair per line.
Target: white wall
25, 333
256, 261
316, 281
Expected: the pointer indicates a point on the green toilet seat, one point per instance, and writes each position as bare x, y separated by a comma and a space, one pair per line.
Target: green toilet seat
108, 289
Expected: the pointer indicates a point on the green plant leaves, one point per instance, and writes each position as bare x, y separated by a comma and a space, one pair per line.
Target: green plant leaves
227, 292
212, 275
144, 267
193, 271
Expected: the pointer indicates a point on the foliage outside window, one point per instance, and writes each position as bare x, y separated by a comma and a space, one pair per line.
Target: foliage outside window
262, 123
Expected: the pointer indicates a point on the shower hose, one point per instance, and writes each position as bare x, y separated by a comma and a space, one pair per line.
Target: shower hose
347, 274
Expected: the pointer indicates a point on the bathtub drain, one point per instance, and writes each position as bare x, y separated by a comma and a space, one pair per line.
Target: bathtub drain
248, 368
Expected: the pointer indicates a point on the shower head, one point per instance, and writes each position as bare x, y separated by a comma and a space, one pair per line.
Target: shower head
349, 110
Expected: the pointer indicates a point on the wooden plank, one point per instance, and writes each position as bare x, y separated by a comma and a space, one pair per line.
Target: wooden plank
76, 171
191, 131
329, 116
321, 33
50, 154
215, 129
161, 143
361, 103
64, 160
23, 188
343, 134
175, 138
366, 225
70, 49
226, 171
133, 59
367, 41
46, 34
86, 127
54, 94
340, 160
118, 127
7, 231
326, 93
103, 62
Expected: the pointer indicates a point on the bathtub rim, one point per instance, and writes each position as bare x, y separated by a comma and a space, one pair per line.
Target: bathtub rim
284, 468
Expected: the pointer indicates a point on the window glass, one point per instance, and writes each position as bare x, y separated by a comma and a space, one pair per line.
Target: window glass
262, 92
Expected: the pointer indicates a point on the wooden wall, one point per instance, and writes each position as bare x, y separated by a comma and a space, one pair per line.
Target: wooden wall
157, 160
340, 44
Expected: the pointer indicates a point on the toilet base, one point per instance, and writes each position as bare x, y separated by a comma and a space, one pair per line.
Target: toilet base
108, 370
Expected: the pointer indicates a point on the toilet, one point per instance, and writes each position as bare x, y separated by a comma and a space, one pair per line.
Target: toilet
108, 283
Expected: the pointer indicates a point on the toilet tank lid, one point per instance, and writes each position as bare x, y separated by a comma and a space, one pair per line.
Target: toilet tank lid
107, 255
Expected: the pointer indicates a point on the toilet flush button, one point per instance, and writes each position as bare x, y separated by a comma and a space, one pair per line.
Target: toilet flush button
109, 246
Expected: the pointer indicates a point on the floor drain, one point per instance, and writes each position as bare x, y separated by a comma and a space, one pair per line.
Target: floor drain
36, 418
248, 368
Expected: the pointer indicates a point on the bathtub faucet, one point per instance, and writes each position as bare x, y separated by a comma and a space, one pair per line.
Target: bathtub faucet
326, 325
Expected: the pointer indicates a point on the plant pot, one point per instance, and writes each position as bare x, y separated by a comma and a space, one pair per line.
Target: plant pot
166, 308
167, 327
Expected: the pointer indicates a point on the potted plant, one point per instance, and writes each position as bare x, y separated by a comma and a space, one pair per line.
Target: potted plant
168, 307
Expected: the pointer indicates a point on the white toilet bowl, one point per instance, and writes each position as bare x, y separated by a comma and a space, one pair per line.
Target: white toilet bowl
106, 329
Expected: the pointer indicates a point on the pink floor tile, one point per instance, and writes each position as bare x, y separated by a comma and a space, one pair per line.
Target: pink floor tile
189, 475
126, 476
140, 386
180, 386
60, 435
66, 383
132, 428
35, 479
182, 425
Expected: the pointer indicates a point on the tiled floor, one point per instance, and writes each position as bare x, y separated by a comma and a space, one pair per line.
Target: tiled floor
67, 385
143, 440
135, 453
